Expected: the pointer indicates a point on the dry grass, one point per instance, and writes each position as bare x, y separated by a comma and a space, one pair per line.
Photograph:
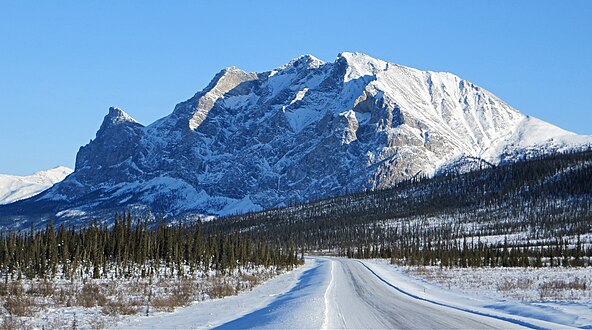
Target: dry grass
121, 306
23, 302
13, 323
91, 295
19, 305
220, 289
508, 285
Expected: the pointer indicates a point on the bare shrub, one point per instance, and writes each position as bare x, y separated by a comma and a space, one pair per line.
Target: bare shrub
505, 285
180, 294
556, 289
96, 324
220, 289
15, 288
137, 288
164, 303
64, 296
59, 323
169, 302
558, 285
121, 307
19, 305
251, 280
13, 323
90, 296
110, 288
508, 285
44, 289
3, 289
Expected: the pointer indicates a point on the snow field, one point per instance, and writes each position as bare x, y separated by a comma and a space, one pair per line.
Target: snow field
255, 307
104, 303
487, 291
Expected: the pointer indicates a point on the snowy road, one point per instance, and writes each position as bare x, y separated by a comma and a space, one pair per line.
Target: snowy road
355, 298
358, 299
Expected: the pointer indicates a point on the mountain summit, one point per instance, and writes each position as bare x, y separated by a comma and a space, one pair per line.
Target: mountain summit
305, 130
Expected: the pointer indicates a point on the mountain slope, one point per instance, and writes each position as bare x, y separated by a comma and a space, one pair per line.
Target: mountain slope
14, 188
306, 130
539, 201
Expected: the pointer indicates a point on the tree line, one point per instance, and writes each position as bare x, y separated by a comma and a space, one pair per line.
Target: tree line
135, 248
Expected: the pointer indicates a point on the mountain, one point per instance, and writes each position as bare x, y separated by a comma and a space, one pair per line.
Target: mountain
14, 188
303, 131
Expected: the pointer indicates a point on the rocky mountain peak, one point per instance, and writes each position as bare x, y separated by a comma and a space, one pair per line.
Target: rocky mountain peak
117, 116
304, 61
303, 131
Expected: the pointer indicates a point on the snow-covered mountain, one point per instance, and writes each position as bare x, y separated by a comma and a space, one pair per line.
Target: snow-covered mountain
305, 130
14, 188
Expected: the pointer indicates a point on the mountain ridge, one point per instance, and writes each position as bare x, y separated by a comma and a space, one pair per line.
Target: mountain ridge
15, 187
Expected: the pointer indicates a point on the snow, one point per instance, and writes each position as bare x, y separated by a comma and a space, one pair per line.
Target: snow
118, 116
324, 294
255, 307
299, 96
14, 188
302, 117
360, 65
535, 132
541, 315
242, 206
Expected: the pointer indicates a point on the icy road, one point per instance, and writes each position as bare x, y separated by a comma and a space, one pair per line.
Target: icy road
333, 293
355, 298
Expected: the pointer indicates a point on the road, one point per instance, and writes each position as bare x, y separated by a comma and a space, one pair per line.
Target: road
359, 299
355, 298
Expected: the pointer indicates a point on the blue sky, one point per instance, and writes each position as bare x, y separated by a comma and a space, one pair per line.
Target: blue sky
62, 63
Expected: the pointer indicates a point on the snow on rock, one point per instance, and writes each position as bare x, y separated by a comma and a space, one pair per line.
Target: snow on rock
14, 188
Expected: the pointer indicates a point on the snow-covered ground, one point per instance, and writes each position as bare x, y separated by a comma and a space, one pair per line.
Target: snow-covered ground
561, 284
87, 303
342, 293
345, 293
277, 301
478, 290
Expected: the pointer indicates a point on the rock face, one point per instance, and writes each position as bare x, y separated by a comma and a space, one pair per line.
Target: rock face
303, 131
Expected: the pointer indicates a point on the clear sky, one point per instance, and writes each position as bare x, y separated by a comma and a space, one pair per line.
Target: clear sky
63, 63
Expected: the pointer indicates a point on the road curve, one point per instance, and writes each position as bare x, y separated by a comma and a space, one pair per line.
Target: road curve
345, 294
357, 299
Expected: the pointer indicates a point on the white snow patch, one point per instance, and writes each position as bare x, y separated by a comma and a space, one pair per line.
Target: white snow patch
14, 188
242, 206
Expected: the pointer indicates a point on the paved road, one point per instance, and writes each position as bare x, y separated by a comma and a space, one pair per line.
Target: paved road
344, 294
356, 299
